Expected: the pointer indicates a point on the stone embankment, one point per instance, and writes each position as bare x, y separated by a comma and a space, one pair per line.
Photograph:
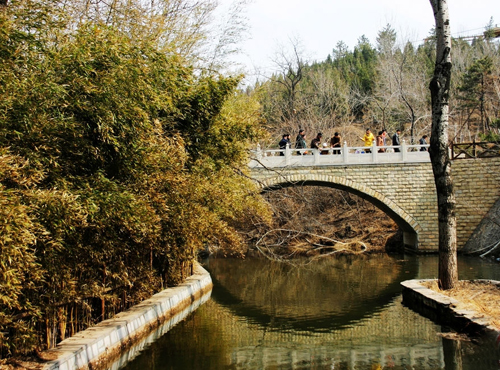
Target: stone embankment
104, 342
447, 310
486, 237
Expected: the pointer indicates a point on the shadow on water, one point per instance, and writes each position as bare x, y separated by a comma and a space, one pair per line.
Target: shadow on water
321, 296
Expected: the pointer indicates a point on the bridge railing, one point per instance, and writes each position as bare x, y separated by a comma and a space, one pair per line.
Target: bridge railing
475, 150
344, 155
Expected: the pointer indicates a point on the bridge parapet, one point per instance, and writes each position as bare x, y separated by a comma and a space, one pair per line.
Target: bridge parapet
357, 155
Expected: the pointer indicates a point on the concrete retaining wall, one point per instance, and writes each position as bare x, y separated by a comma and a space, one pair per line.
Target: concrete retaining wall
136, 349
105, 341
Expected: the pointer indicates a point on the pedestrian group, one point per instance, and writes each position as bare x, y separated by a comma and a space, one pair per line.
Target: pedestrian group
335, 142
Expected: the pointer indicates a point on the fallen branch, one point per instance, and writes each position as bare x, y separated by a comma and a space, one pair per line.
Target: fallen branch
268, 253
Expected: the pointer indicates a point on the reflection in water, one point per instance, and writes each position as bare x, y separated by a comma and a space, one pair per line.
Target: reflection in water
337, 313
138, 347
328, 294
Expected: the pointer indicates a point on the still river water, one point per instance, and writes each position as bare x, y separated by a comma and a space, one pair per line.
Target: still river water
342, 313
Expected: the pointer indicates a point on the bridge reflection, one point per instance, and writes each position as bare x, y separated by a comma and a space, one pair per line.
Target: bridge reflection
336, 313
328, 295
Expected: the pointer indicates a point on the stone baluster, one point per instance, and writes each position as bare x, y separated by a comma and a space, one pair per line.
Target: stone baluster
404, 151
259, 152
345, 152
316, 155
288, 154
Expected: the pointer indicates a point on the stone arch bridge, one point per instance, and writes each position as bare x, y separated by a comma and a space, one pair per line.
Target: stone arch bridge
399, 183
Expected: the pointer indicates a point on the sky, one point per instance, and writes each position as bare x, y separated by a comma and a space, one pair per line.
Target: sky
320, 24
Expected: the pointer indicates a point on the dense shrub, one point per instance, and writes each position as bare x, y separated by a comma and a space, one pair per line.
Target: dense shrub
117, 165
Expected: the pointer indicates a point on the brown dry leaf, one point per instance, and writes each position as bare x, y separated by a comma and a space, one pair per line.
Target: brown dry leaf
480, 296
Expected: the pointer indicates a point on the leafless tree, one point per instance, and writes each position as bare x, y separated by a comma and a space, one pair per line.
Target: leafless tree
189, 28
411, 82
401, 89
290, 64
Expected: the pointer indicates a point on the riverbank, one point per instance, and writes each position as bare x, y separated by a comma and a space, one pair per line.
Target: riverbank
482, 296
316, 222
472, 307
103, 343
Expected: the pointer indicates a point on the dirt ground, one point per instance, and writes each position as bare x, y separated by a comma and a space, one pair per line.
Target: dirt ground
18, 364
481, 297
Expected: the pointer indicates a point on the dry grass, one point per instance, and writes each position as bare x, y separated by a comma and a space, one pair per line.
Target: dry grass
482, 297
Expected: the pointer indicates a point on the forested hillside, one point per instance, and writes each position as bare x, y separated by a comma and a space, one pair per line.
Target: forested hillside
383, 86
118, 159
124, 144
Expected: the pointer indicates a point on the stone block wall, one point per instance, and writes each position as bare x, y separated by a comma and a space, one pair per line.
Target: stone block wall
405, 191
476, 183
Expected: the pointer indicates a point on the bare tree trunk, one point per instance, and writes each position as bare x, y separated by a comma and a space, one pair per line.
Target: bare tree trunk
441, 164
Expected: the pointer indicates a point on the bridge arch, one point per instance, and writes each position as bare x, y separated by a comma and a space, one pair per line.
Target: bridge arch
410, 227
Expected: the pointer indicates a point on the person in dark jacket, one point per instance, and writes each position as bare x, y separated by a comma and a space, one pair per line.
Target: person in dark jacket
284, 142
300, 141
423, 141
335, 143
396, 140
316, 142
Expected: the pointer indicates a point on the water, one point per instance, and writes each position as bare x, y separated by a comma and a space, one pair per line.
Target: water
343, 313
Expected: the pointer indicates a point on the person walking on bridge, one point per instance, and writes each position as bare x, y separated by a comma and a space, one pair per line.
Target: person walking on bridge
368, 140
284, 142
335, 143
423, 141
380, 141
300, 141
316, 142
396, 140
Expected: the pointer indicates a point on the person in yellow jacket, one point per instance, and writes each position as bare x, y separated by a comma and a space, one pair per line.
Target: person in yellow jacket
368, 139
